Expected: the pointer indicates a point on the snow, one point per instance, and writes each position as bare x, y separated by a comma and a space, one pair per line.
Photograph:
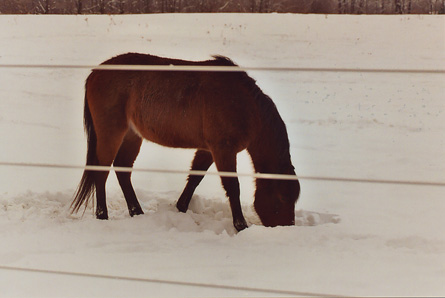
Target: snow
350, 238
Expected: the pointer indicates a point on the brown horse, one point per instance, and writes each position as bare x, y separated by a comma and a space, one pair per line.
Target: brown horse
219, 113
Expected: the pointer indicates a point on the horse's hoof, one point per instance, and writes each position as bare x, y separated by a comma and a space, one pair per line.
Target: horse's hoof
240, 225
135, 211
181, 207
101, 214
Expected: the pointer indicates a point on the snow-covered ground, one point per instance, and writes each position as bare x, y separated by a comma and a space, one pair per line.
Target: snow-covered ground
350, 238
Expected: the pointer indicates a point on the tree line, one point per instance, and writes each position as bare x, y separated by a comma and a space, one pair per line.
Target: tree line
196, 6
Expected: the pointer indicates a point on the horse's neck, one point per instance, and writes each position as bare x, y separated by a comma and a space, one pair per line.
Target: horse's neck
270, 150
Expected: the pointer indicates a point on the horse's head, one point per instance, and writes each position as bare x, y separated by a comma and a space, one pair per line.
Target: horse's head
275, 201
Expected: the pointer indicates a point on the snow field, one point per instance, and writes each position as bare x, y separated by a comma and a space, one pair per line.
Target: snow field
349, 238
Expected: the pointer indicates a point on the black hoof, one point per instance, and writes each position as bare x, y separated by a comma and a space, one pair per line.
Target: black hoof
101, 215
135, 211
181, 207
240, 225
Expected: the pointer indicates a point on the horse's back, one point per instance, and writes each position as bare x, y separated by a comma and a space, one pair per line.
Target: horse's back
177, 108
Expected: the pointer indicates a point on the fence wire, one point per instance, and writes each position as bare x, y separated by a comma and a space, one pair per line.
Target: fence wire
227, 174
170, 282
198, 68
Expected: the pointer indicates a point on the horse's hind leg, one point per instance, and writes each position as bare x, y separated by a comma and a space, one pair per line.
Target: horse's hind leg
125, 157
107, 147
201, 162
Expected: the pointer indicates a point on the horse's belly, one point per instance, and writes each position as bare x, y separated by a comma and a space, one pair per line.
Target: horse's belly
174, 132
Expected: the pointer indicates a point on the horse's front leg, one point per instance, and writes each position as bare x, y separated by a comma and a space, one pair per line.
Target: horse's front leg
201, 162
226, 162
231, 185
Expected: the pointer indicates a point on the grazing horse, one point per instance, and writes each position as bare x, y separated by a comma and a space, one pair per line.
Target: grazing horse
218, 113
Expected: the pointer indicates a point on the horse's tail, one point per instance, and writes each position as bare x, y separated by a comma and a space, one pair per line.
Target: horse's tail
87, 185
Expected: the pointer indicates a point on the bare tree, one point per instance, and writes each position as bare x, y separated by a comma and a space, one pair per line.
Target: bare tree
342, 6
252, 5
78, 4
156, 6
399, 6
43, 6
13, 7
164, 5
264, 6
147, 6
363, 6
437, 7
119, 6
202, 4
99, 6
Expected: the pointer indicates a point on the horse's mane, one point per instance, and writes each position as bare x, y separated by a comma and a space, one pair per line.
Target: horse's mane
224, 61
248, 82
267, 107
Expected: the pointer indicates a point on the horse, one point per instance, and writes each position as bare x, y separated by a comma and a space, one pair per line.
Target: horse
217, 113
